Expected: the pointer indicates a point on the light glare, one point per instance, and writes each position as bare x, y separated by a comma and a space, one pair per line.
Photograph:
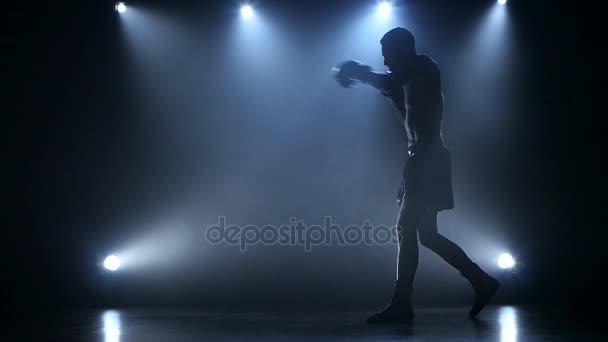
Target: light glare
112, 263
246, 11
384, 8
121, 7
505, 260
502, 2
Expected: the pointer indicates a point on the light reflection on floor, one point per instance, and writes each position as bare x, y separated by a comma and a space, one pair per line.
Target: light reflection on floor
500, 323
507, 317
110, 322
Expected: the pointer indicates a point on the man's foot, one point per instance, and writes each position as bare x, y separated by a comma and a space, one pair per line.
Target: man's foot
392, 315
485, 288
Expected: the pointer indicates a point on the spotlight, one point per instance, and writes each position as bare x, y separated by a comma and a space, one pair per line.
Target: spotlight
121, 7
246, 11
111, 263
502, 2
505, 261
385, 8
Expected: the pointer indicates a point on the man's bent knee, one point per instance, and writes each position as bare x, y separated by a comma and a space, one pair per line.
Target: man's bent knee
428, 239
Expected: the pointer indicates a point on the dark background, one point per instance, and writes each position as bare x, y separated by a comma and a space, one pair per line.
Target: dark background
102, 150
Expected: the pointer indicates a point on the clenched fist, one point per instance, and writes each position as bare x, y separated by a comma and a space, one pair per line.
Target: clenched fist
349, 72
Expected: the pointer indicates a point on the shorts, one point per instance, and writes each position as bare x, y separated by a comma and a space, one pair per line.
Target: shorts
427, 178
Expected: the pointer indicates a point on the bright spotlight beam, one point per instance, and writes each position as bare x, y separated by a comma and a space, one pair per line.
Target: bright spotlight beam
246, 11
121, 7
505, 261
502, 2
111, 263
385, 8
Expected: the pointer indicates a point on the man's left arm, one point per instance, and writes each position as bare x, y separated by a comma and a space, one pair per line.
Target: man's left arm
386, 83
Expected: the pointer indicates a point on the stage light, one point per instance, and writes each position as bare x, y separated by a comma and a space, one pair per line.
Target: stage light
246, 11
502, 2
121, 7
384, 8
505, 260
111, 263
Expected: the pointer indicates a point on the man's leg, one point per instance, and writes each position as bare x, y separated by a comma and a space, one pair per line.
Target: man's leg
446, 249
407, 259
484, 285
400, 308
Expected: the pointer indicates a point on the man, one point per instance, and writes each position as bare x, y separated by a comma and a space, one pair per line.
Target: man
414, 86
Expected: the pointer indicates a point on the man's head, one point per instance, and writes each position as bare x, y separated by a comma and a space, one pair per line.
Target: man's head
398, 49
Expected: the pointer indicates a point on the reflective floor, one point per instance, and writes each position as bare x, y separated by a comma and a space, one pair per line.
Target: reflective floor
503, 324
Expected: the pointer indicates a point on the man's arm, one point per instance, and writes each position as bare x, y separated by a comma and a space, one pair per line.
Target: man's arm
385, 83
389, 87
376, 80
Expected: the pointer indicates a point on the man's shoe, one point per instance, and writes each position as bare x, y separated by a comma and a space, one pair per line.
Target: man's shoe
485, 287
392, 315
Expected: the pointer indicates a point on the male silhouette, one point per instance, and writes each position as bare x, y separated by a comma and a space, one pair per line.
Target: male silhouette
414, 86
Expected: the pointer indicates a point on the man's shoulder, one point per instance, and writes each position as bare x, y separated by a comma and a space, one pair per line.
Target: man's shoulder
427, 66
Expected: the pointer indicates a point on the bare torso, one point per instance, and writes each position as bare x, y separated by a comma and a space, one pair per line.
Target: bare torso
417, 94
423, 103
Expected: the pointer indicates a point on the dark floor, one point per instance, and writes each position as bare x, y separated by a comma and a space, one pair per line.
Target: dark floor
501, 323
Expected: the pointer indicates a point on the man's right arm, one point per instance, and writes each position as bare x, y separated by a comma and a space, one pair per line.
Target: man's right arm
389, 87
387, 84
376, 80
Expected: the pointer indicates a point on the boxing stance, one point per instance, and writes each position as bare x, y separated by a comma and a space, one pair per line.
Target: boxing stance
414, 86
